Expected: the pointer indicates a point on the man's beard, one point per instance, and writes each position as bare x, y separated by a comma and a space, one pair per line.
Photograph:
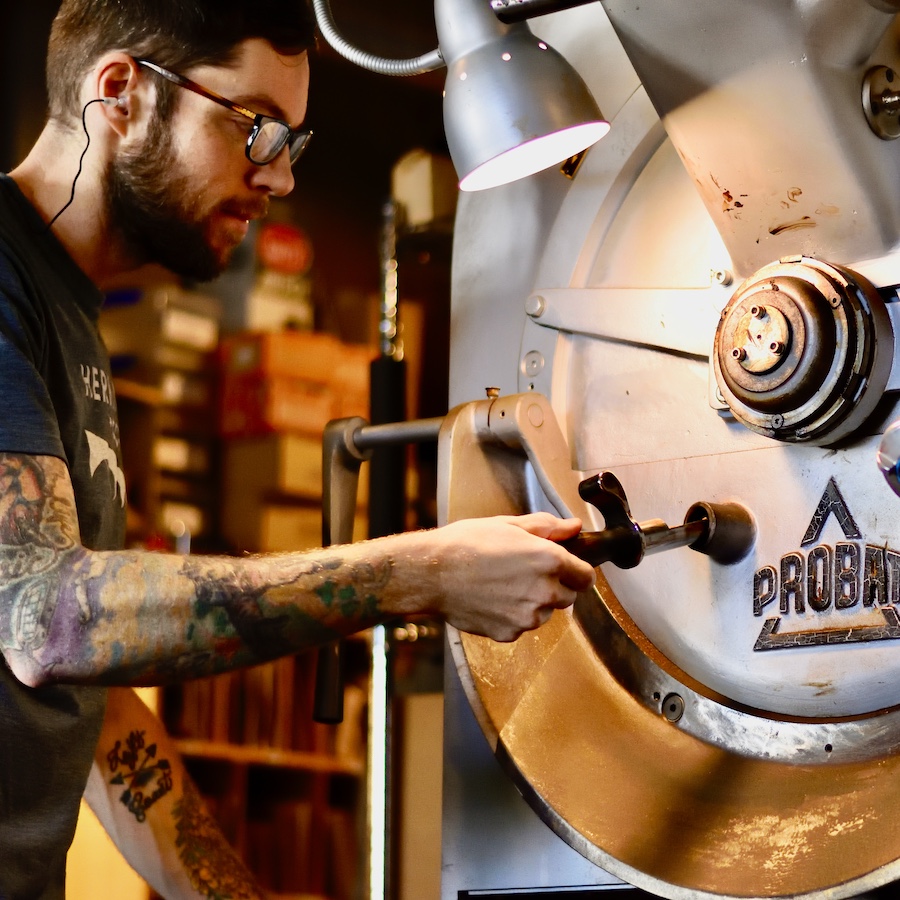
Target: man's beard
151, 209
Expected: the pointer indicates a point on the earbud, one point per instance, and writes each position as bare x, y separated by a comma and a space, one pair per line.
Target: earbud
114, 101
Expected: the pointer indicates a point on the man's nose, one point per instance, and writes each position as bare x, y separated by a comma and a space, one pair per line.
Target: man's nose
276, 177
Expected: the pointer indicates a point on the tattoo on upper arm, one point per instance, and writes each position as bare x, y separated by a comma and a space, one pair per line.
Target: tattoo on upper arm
34, 510
38, 527
145, 778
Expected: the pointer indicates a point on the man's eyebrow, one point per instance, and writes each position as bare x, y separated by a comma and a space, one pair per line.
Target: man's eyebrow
263, 103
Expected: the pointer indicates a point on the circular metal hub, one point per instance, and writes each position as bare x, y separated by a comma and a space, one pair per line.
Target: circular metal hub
797, 353
880, 102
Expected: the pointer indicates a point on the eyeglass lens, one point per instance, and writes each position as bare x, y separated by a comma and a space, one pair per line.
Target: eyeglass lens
270, 137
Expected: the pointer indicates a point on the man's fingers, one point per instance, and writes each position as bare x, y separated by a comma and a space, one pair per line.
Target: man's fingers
546, 525
578, 575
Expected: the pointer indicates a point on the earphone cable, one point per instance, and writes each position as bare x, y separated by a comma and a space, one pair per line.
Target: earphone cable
80, 160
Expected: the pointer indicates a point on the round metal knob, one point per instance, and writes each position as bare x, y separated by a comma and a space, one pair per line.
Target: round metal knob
803, 351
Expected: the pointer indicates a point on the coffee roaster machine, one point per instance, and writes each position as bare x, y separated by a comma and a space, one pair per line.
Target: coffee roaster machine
691, 329
707, 309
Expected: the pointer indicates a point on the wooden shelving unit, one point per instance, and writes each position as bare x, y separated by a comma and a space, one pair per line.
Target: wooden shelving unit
270, 756
292, 801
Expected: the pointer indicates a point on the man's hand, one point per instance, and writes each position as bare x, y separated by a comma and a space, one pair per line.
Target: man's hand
503, 575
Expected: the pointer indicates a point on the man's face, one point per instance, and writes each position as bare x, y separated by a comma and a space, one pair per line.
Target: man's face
183, 194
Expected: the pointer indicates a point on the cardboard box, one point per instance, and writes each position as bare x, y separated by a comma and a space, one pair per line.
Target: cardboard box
426, 188
309, 355
164, 327
264, 527
277, 464
263, 479
273, 469
250, 406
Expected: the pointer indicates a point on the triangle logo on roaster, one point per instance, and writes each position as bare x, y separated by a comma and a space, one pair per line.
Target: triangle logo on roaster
842, 594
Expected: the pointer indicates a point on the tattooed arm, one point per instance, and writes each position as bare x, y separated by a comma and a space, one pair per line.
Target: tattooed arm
144, 798
68, 614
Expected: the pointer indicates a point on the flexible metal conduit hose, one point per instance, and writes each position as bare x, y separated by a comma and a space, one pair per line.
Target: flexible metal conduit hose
428, 62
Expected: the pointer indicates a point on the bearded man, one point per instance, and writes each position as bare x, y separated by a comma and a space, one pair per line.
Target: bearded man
171, 124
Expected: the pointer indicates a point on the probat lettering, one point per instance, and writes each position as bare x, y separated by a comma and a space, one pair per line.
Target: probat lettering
843, 577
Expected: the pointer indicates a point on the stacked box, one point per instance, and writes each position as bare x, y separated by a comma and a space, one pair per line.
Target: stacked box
278, 392
162, 340
289, 382
271, 501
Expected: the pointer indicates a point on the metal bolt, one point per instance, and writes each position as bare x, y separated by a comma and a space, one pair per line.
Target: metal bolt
758, 312
722, 276
777, 347
535, 306
777, 421
739, 353
673, 707
492, 392
533, 363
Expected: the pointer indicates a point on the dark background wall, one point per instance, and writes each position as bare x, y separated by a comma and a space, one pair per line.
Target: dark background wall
364, 122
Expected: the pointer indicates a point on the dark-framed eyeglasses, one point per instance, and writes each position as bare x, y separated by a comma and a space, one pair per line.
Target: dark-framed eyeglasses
268, 136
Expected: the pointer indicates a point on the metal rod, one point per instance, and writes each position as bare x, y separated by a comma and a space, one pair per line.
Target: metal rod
676, 536
617, 545
512, 11
417, 431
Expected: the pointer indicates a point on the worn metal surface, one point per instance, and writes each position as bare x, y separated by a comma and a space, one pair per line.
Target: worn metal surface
696, 729
646, 773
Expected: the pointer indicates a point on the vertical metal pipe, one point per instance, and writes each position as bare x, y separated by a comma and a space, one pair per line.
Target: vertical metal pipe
387, 515
387, 482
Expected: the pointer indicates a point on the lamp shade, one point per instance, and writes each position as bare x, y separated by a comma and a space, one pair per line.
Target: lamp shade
513, 106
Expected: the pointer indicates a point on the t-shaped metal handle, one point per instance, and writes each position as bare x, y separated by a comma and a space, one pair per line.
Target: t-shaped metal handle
723, 531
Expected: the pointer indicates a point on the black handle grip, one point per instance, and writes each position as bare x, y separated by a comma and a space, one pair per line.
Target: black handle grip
328, 700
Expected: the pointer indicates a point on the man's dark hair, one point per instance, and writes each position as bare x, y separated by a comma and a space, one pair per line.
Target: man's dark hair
176, 34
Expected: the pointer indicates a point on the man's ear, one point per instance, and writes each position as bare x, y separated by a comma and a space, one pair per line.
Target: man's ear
117, 77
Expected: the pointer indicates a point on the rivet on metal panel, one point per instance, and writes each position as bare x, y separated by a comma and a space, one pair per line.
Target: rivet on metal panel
533, 363
673, 707
535, 306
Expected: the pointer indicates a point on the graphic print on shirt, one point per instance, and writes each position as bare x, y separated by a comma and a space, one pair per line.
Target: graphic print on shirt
98, 387
101, 452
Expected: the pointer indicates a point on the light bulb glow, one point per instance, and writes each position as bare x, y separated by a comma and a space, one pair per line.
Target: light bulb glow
534, 156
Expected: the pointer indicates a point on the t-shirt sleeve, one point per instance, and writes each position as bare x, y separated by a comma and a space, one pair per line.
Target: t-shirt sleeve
27, 419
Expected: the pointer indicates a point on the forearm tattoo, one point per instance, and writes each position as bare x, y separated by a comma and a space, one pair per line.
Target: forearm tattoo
132, 617
144, 778
270, 628
211, 864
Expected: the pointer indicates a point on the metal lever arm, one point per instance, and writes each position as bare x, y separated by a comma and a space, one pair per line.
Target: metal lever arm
346, 444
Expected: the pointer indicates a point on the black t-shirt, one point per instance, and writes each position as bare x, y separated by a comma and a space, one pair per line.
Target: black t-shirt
58, 400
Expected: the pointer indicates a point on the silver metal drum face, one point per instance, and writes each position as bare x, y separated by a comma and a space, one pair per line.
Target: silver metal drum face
696, 729
640, 769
